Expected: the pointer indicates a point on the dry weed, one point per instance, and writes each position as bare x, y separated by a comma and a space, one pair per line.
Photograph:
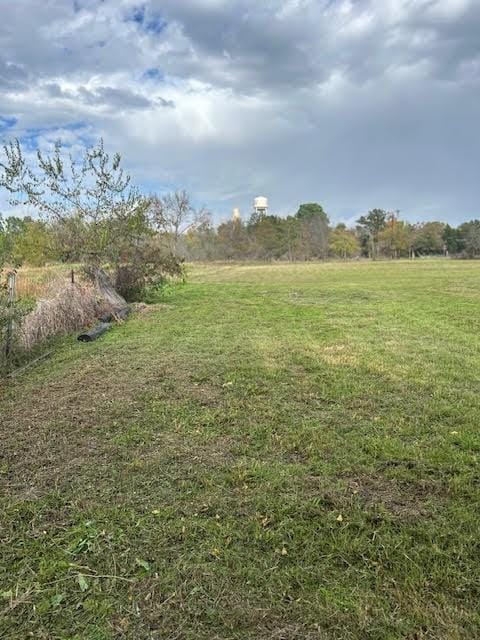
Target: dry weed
64, 309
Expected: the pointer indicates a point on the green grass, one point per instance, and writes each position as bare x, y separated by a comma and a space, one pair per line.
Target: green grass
279, 452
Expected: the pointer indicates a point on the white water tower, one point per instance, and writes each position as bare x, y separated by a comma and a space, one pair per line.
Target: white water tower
260, 205
236, 215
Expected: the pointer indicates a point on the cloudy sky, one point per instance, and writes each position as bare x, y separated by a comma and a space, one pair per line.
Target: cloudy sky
352, 103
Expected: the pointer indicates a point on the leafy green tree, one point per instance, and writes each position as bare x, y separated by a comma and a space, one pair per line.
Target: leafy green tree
311, 210
371, 226
343, 242
11, 229
470, 234
311, 232
453, 240
91, 202
35, 245
268, 237
427, 238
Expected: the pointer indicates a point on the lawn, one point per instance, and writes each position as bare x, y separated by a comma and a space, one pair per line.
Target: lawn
275, 452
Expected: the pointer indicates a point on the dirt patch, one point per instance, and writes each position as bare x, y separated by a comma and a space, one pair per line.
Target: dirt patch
402, 499
378, 495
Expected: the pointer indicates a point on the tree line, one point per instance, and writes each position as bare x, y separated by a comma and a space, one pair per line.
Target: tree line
89, 212
308, 235
176, 228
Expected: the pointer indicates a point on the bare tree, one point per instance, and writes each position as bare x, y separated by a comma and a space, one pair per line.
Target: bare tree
174, 215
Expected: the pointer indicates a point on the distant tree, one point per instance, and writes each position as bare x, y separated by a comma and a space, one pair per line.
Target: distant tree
233, 241
200, 243
268, 237
394, 239
364, 240
343, 242
174, 215
65, 235
427, 238
11, 230
291, 231
35, 245
470, 235
311, 210
311, 232
371, 226
452, 238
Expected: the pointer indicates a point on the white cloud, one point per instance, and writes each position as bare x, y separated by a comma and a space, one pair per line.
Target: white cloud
355, 104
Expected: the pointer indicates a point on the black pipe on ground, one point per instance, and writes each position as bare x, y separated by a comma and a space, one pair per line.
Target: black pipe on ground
94, 333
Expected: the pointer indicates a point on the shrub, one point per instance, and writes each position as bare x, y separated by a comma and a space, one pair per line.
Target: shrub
11, 315
148, 269
130, 282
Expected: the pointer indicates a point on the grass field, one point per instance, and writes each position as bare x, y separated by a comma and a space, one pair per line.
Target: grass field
285, 452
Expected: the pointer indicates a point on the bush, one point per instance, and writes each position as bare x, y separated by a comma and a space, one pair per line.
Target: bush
11, 315
130, 282
149, 270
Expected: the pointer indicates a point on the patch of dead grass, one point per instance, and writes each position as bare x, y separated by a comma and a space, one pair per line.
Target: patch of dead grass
401, 499
338, 354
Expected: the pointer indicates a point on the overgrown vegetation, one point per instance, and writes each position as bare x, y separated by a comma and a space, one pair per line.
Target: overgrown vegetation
285, 451
92, 214
89, 202
12, 314
64, 309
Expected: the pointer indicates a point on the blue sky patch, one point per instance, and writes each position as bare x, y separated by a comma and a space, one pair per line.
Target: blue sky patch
154, 74
156, 25
30, 138
7, 122
146, 20
138, 14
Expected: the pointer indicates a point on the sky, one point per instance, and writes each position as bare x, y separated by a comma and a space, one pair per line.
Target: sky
354, 104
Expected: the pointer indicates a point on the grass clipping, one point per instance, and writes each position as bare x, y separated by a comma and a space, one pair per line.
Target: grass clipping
66, 308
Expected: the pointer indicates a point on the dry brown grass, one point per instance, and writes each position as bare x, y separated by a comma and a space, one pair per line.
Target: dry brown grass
35, 282
64, 309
